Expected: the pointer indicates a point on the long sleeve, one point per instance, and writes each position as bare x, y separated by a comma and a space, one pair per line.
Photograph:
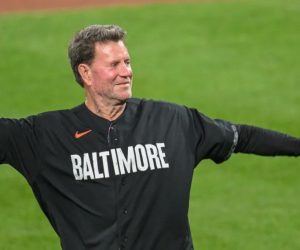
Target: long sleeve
254, 140
18, 146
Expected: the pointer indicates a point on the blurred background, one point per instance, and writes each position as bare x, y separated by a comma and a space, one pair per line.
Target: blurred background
236, 60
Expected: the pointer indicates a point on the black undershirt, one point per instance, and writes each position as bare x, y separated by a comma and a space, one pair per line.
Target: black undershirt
254, 140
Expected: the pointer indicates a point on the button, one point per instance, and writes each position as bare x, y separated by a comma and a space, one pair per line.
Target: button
125, 211
123, 182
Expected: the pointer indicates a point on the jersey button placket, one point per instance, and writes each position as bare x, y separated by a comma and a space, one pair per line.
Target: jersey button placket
124, 241
112, 136
123, 182
113, 141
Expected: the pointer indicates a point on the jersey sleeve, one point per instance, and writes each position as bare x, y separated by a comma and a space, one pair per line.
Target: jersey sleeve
18, 145
266, 142
213, 139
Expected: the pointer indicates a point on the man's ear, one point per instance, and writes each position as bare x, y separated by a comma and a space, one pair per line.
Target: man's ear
85, 73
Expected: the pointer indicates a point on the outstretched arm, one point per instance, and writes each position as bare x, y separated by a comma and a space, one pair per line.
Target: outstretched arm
254, 140
18, 145
6, 141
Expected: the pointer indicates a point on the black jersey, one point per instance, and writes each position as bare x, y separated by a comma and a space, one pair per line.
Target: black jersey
116, 185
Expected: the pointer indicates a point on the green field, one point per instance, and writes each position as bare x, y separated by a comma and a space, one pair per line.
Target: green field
237, 61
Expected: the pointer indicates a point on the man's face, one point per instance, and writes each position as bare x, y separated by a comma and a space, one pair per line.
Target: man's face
111, 73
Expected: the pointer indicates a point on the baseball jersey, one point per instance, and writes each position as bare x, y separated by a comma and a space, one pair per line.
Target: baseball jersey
122, 184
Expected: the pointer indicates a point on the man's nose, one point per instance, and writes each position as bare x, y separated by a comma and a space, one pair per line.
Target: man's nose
125, 69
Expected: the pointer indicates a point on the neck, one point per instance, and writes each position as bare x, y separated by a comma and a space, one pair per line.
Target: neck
108, 111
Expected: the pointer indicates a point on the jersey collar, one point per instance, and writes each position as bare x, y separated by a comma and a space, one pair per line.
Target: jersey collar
95, 122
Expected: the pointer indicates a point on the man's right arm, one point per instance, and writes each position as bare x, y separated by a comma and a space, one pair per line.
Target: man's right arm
18, 144
8, 138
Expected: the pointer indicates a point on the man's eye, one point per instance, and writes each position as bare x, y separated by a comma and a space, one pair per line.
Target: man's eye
114, 64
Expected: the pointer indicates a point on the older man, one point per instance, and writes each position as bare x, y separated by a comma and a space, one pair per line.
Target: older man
115, 172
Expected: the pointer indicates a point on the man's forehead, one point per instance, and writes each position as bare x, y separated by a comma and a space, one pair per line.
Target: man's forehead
111, 49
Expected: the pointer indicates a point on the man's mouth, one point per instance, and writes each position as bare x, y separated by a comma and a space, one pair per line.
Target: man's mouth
123, 83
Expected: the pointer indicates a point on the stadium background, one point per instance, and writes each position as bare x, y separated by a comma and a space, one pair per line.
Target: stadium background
235, 59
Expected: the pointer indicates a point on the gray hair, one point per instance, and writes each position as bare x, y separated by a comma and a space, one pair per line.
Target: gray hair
82, 47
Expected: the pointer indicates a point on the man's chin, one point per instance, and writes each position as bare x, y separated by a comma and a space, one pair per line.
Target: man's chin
124, 98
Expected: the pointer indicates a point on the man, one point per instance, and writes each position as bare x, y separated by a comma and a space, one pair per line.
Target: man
115, 172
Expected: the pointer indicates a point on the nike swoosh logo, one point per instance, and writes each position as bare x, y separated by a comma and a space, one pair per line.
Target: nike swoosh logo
80, 134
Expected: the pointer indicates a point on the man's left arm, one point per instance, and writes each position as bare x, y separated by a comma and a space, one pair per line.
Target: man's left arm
255, 140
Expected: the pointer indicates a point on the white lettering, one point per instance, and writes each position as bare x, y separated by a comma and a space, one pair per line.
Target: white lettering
162, 155
152, 156
77, 170
95, 165
115, 162
104, 156
141, 157
87, 167
129, 164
